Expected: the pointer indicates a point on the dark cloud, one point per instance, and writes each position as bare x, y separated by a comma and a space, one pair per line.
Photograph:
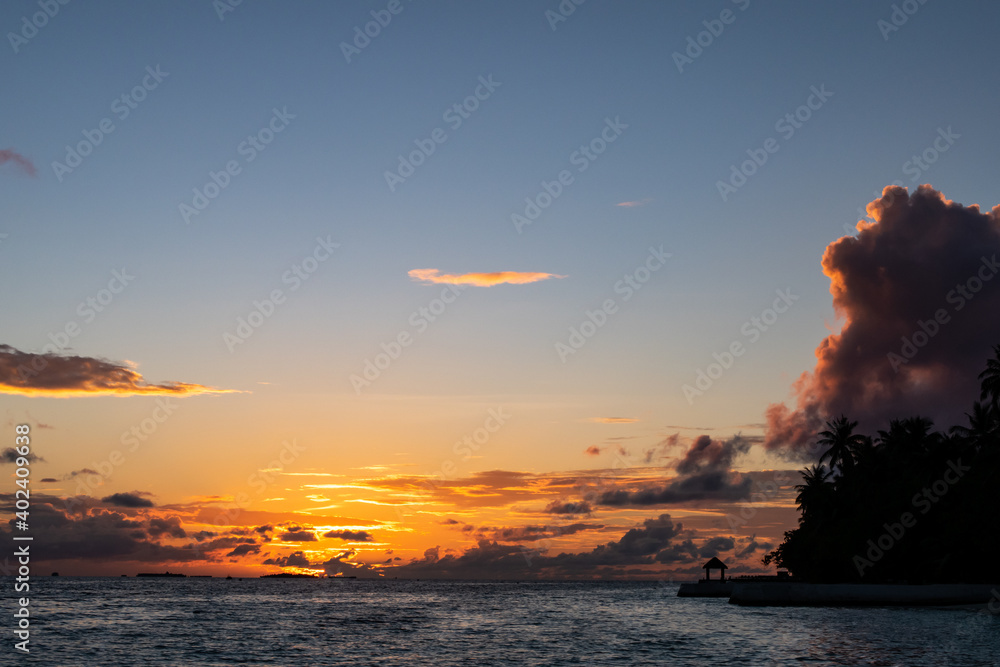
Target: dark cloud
707, 454
49, 479
342, 565
226, 542
82, 529
245, 549
485, 560
716, 546
95, 534
132, 500
571, 507
753, 546
919, 296
52, 374
23, 163
638, 545
682, 552
10, 455
298, 536
704, 486
703, 474
350, 535
203, 535
296, 559
169, 526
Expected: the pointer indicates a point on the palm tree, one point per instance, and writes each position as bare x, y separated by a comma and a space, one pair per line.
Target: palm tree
909, 436
814, 494
841, 443
983, 423
991, 379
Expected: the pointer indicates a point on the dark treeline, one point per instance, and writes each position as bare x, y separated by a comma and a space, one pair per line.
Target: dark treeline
912, 504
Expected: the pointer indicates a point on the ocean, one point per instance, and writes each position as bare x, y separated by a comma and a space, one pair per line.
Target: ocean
193, 621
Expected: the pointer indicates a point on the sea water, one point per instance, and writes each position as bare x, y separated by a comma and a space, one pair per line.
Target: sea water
195, 621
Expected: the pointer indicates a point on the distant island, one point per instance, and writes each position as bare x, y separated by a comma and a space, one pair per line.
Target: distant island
910, 505
159, 574
289, 575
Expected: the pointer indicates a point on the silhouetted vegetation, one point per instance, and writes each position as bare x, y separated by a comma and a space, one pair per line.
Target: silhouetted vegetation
910, 505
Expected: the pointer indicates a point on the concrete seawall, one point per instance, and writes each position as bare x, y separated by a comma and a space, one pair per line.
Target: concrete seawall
706, 589
852, 595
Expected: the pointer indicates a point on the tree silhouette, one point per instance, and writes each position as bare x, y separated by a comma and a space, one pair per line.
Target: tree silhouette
991, 379
814, 494
911, 505
841, 443
983, 424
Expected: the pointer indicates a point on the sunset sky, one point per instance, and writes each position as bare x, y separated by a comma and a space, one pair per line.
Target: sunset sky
444, 301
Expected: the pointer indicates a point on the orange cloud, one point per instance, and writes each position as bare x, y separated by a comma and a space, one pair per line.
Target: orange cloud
52, 374
430, 276
631, 204
613, 420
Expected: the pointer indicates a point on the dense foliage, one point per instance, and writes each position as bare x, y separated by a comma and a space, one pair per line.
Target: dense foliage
910, 505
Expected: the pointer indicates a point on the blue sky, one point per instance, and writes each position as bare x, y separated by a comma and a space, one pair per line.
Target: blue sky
324, 174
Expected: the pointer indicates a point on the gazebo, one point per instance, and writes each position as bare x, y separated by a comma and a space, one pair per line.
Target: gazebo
714, 564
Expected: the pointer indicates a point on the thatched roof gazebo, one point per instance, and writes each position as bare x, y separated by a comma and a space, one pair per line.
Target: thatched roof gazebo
714, 564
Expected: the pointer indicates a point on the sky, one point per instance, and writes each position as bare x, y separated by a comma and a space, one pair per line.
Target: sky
519, 289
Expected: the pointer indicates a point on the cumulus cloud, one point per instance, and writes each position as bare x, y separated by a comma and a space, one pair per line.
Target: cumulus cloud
633, 204
18, 160
131, 500
918, 294
431, 276
52, 374
350, 535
